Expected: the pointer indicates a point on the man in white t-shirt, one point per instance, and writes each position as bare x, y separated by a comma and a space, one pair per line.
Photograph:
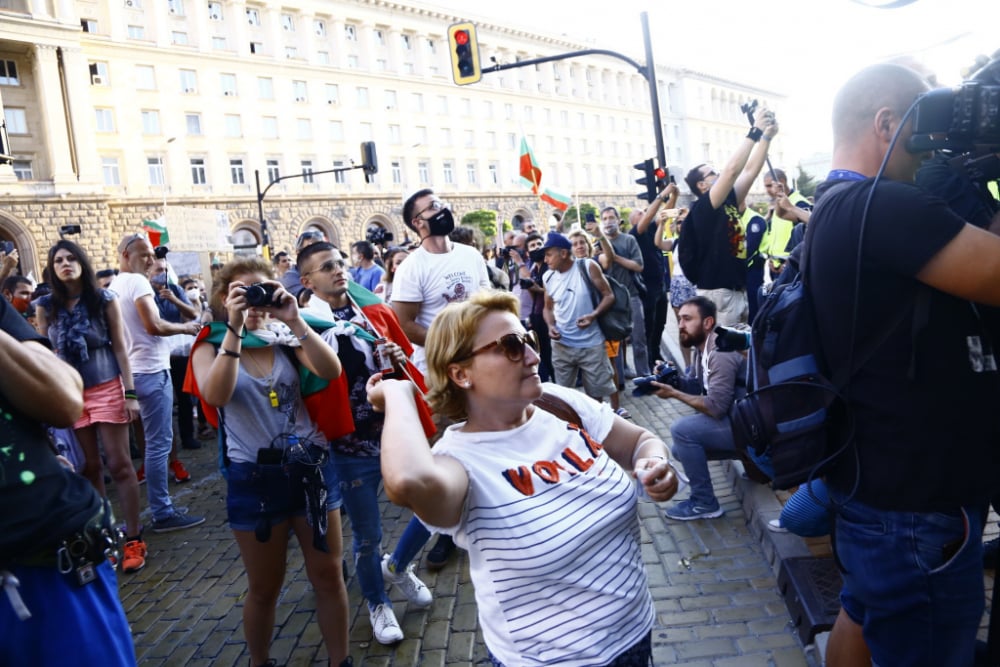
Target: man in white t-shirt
437, 273
149, 345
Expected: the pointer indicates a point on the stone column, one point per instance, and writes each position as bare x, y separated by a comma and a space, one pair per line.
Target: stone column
6, 168
49, 90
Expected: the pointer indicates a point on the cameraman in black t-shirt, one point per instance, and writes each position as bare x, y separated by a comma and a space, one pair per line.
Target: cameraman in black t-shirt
912, 487
61, 598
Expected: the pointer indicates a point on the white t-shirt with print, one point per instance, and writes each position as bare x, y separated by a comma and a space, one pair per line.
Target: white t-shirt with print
552, 532
146, 353
435, 280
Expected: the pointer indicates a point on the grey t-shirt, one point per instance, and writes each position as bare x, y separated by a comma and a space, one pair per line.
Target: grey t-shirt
626, 246
253, 423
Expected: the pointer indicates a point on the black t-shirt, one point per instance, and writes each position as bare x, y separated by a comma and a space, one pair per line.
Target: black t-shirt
924, 403
654, 273
40, 501
722, 243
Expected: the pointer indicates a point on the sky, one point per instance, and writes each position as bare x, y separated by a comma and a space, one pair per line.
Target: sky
804, 49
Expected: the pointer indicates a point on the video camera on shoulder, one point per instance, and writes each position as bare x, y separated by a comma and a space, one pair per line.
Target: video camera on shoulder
665, 374
960, 119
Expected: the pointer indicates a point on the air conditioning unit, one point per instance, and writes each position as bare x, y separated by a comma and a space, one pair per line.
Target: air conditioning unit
331, 101
189, 90
97, 79
214, 16
300, 99
320, 32
130, 4
229, 93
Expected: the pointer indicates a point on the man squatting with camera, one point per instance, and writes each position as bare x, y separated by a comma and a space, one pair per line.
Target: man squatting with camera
716, 379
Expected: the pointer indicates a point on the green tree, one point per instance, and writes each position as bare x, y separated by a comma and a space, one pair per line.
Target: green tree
485, 220
572, 215
806, 183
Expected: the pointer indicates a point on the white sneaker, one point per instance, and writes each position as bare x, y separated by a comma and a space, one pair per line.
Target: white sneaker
385, 627
415, 591
774, 525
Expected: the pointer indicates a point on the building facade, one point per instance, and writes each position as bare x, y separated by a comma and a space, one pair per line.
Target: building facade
117, 109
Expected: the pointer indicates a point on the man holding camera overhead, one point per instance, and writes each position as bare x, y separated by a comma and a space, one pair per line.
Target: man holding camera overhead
149, 345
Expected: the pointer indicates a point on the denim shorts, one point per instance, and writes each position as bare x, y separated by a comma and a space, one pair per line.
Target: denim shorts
913, 581
263, 491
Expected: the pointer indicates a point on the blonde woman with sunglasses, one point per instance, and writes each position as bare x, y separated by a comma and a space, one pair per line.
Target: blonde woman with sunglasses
546, 508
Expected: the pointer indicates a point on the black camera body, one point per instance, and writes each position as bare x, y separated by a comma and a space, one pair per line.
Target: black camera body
960, 119
261, 295
379, 236
666, 375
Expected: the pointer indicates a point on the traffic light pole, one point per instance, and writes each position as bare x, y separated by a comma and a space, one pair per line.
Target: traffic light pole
369, 164
648, 72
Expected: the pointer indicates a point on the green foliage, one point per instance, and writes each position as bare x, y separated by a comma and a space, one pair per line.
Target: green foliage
806, 183
483, 219
572, 216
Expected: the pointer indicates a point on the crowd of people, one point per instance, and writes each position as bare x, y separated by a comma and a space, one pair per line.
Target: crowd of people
315, 368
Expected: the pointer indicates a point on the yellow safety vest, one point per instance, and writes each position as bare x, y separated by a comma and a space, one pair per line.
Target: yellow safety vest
779, 230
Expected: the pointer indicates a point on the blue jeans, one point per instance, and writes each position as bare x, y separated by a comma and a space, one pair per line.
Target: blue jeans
913, 580
697, 440
156, 405
359, 478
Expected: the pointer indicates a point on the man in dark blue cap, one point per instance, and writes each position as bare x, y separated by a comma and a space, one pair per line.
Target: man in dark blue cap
577, 341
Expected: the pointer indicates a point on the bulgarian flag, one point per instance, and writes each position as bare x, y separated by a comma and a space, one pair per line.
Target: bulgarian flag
157, 232
557, 199
531, 173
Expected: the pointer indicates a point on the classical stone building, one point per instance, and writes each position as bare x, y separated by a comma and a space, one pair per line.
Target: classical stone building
116, 109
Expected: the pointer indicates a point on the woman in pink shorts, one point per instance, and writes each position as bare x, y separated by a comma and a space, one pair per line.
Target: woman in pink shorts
84, 323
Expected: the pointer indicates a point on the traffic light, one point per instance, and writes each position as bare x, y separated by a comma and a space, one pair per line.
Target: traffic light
648, 179
464, 50
369, 161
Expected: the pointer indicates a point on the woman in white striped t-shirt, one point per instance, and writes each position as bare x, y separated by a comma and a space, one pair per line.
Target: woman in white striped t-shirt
545, 506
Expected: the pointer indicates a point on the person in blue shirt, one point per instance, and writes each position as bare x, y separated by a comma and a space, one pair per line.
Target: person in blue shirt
365, 271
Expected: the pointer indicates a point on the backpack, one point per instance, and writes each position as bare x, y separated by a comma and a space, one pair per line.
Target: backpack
795, 401
689, 252
616, 321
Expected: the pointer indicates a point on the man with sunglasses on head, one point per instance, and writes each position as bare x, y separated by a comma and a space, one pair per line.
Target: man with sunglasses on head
149, 345
713, 247
437, 273
291, 279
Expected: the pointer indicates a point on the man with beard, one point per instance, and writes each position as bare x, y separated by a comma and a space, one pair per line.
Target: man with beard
437, 273
711, 390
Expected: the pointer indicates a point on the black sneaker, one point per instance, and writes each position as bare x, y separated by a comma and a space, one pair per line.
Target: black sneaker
176, 521
991, 549
439, 554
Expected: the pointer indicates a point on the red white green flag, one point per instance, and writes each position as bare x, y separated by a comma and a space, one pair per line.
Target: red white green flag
157, 232
556, 199
531, 173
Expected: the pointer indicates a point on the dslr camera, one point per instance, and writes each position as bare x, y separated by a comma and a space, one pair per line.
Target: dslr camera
665, 374
261, 295
379, 236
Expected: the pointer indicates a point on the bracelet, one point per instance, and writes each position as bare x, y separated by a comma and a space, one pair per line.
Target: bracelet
303, 336
228, 353
766, 138
130, 395
236, 334
755, 134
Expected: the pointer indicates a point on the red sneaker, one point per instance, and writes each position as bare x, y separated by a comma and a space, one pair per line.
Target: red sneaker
140, 474
180, 472
133, 556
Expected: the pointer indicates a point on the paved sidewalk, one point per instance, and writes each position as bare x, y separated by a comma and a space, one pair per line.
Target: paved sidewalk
715, 593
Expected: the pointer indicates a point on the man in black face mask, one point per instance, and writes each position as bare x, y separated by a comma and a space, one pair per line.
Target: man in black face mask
437, 273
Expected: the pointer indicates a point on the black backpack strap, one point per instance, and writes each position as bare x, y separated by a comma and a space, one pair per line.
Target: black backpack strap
595, 298
558, 407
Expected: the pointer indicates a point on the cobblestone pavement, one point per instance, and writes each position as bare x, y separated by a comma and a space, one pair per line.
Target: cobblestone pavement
715, 594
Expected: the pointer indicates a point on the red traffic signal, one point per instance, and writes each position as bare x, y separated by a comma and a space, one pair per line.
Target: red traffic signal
464, 52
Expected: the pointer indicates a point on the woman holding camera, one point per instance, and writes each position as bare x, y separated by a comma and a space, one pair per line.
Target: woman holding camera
279, 474
84, 323
538, 502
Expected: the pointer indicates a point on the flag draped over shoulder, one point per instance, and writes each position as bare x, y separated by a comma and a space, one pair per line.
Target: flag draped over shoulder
556, 199
327, 401
531, 173
157, 232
